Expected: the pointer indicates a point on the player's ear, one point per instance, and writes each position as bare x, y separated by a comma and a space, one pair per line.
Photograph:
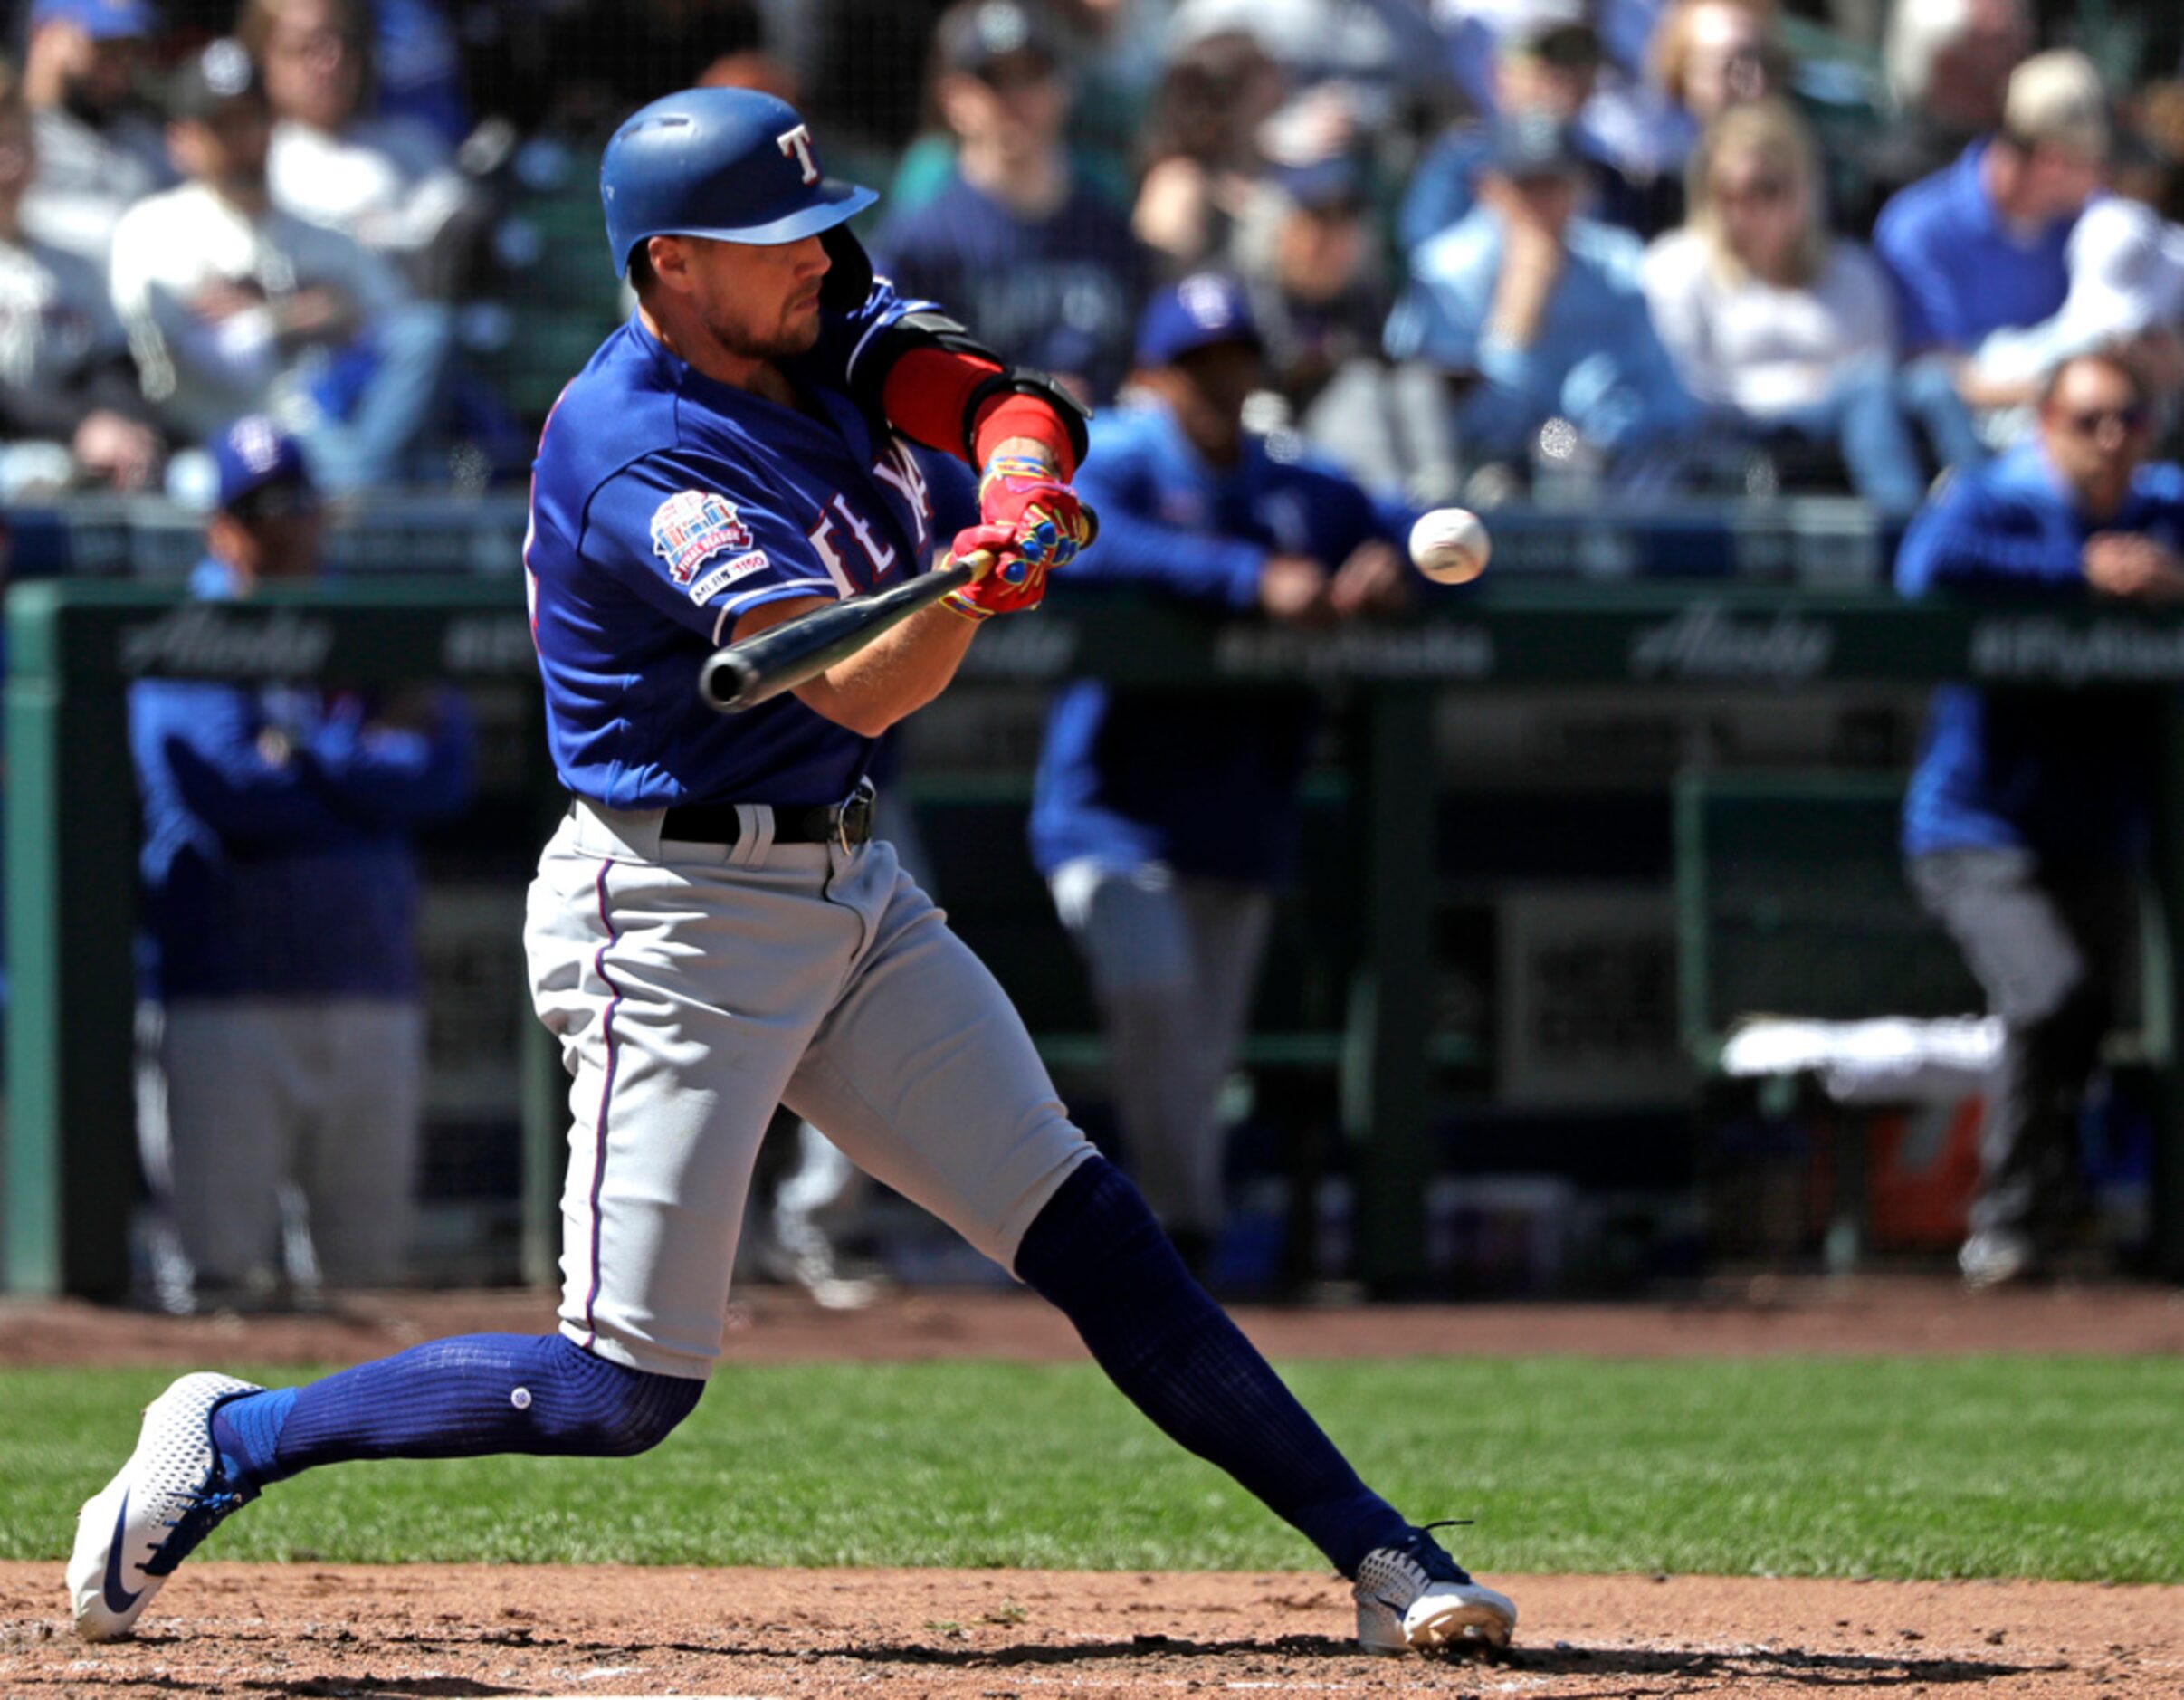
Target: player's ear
670, 261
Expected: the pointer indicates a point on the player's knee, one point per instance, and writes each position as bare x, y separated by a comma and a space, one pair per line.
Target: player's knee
1096, 1227
608, 1410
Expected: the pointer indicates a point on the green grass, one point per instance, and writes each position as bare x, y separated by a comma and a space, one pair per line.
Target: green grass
1990, 1467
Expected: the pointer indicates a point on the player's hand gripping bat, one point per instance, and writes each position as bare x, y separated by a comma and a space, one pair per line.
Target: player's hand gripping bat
745, 674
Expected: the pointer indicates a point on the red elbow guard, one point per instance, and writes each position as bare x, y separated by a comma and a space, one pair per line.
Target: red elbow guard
964, 405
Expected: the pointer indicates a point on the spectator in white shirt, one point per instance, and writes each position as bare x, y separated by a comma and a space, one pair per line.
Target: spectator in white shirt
1782, 330
391, 183
2126, 265
235, 307
98, 150
70, 411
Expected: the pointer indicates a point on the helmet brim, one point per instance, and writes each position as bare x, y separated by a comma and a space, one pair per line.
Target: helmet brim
835, 202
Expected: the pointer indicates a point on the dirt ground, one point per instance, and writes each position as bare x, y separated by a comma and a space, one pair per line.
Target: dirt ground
1014, 1635
1894, 1315
451, 1630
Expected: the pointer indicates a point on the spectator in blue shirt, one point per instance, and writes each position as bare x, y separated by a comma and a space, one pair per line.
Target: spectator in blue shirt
1980, 247
1539, 314
1019, 241
280, 892
1547, 59
2024, 823
1163, 820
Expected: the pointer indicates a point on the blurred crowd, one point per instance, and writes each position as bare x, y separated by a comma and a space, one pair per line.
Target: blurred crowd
1498, 249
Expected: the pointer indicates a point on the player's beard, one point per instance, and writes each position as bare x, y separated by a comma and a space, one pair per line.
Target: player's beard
781, 343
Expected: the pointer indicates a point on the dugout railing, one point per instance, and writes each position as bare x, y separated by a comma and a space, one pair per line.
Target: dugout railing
76, 645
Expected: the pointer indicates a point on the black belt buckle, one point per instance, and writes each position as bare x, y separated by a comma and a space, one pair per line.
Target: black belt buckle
853, 819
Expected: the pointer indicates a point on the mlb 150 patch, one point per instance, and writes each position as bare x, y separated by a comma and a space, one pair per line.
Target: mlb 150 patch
721, 576
692, 526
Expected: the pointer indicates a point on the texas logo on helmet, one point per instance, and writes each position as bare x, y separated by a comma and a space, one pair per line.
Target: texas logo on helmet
692, 526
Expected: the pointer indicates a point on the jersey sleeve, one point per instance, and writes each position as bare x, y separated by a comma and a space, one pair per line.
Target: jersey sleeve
955, 494
701, 553
845, 338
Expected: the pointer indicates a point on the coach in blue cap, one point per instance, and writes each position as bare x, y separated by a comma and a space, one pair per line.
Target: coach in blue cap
280, 897
1165, 820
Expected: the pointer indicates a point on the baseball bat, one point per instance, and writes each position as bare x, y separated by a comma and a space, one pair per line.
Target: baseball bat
742, 675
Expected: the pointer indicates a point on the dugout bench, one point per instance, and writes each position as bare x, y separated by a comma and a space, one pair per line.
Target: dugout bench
70, 845
1803, 960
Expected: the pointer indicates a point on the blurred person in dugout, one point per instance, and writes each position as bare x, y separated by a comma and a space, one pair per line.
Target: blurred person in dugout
1164, 820
2024, 821
280, 1123
234, 307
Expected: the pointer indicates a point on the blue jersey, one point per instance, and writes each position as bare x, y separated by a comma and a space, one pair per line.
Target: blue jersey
1203, 780
1059, 294
2064, 773
276, 858
664, 505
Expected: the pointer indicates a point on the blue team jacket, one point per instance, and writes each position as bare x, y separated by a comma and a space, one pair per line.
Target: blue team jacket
2066, 774
273, 874
1203, 780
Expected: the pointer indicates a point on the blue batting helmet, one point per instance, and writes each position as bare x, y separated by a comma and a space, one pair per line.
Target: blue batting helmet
732, 163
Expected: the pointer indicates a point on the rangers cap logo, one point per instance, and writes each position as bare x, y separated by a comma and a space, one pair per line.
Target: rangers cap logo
692, 526
796, 144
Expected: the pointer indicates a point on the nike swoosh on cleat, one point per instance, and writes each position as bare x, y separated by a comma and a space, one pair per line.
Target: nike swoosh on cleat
118, 1598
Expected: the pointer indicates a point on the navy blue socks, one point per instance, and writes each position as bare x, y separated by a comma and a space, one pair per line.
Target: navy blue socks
1096, 1254
456, 1398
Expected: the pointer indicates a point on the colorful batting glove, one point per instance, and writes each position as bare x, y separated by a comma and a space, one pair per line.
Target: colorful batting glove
1050, 524
1011, 585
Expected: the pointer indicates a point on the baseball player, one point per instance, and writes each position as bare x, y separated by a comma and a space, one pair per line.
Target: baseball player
1165, 820
279, 892
714, 930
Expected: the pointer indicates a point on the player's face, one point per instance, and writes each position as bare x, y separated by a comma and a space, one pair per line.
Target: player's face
757, 302
2095, 427
1206, 388
277, 535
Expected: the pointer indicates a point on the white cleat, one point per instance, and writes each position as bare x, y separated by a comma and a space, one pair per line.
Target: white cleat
168, 1496
1407, 1602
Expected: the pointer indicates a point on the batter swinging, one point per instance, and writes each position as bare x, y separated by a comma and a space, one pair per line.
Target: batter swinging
714, 931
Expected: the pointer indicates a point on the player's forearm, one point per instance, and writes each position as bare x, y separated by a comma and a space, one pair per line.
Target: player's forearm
891, 679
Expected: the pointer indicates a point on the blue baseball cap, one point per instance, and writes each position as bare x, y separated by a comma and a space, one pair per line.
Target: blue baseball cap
253, 453
1334, 180
102, 20
1203, 310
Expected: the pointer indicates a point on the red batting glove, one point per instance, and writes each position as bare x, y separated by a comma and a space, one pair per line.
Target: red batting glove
1011, 585
1050, 524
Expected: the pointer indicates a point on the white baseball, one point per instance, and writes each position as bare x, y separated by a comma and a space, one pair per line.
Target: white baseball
1450, 546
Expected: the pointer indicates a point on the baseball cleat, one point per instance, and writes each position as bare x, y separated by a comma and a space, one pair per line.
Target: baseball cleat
1415, 1599
171, 1493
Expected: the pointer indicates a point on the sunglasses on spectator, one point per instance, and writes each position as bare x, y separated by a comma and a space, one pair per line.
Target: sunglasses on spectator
1755, 192
2130, 421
